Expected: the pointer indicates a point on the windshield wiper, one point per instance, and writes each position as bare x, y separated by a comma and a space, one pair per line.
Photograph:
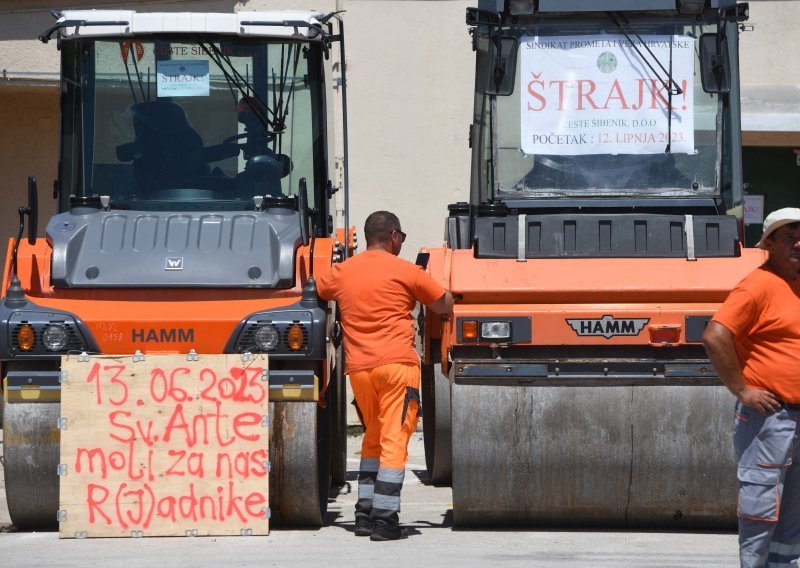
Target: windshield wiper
275, 124
672, 87
249, 95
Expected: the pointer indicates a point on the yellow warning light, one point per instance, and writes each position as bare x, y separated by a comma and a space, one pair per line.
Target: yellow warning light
295, 337
26, 337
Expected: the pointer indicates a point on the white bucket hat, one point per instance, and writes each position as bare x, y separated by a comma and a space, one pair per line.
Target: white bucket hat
778, 219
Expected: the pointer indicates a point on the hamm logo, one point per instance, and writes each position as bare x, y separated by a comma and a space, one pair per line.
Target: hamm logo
608, 326
174, 263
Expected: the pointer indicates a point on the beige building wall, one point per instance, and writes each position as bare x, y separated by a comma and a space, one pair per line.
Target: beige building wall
28, 146
410, 69
771, 74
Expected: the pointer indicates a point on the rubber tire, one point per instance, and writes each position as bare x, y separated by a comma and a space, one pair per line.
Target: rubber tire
299, 479
30, 461
337, 401
436, 421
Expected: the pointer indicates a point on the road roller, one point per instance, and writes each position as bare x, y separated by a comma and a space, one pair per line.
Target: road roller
195, 200
569, 387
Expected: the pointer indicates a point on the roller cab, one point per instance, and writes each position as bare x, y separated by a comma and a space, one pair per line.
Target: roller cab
195, 205
570, 385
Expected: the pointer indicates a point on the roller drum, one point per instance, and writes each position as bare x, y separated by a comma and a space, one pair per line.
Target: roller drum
624, 456
299, 478
30, 462
436, 424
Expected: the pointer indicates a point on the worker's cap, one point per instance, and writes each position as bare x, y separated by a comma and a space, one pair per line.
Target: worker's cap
778, 219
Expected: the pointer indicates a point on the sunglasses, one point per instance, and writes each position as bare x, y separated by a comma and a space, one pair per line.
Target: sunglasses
401, 233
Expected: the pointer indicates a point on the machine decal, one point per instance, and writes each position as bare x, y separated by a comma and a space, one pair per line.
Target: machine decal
608, 326
127, 46
162, 335
174, 263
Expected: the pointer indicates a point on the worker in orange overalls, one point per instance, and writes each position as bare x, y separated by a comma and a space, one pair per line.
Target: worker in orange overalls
376, 292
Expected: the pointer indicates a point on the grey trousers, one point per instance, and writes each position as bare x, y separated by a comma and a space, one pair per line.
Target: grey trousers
769, 487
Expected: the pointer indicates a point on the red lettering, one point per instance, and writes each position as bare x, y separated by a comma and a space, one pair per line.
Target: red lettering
244, 420
615, 93
253, 504
94, 503
187, 504
586, 94
112, 418
169, 513
233, 504
194, 465
258, 459
178, 422
533, 93
657, 88
218, 415
181, 454
178, 394
560, 85
91, 455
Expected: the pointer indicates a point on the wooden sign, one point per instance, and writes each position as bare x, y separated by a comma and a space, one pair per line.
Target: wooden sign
163, 445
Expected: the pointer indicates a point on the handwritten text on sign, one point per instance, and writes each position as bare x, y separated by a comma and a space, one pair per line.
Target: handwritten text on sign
164, 446
596, 95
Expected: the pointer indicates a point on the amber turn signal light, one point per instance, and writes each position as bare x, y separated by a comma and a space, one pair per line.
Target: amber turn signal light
26, 337
469, 330
295, 337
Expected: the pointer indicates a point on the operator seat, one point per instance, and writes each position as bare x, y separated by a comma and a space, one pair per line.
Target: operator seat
166, 149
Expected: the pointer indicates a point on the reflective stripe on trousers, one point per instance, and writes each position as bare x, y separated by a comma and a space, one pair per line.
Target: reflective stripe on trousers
769, 487
367, 472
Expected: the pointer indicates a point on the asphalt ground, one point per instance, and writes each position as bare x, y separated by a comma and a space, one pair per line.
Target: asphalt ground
427, 512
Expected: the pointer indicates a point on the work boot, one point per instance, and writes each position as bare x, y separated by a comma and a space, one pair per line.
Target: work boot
363, 526
383, 531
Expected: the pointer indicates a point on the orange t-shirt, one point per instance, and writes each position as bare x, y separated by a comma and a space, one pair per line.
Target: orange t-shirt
376, 292
763, 313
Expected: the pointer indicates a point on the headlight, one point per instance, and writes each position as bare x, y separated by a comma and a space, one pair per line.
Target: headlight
496, 330
267, 337
281, 332
55, 337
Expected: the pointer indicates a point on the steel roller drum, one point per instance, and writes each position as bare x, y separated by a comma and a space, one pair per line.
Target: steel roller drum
623, 456
30, 462
299, 477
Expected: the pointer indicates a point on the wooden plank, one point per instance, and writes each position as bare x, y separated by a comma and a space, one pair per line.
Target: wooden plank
164, 446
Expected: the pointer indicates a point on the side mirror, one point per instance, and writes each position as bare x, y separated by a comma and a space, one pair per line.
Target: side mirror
715, 70
502, 68
33, 210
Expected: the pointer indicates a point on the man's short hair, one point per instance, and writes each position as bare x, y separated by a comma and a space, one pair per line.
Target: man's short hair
379, 226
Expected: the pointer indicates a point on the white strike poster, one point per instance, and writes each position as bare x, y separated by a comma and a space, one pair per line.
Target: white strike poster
597, 95
182, 78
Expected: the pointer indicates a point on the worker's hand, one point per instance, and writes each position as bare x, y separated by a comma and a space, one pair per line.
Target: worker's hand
763, 401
